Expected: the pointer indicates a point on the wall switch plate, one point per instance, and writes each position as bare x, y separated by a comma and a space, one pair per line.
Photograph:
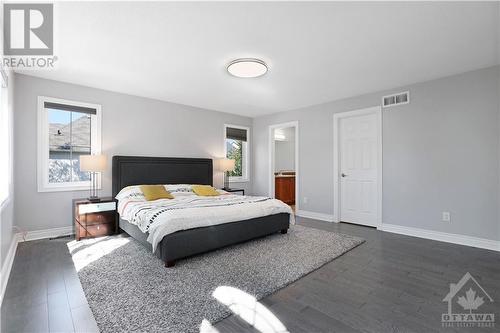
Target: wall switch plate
446, 217
305, 199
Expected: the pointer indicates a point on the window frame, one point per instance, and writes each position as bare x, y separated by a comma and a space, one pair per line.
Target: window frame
43, 146
6, 148
246, 154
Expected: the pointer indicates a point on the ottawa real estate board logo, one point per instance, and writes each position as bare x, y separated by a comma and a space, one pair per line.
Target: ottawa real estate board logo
467, 302
28, 36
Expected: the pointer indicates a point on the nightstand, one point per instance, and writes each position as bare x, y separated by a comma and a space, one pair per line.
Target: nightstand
232, 190
94, 219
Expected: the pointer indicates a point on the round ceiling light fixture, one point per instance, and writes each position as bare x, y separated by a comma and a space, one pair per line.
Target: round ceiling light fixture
247, 67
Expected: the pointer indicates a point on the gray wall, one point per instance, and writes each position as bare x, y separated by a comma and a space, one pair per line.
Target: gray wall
440, 153
7, 208
130, 126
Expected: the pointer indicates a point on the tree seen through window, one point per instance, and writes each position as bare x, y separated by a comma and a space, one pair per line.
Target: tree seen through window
234, 150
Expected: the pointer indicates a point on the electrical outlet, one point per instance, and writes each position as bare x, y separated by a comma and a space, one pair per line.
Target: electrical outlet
305, 200
446, 217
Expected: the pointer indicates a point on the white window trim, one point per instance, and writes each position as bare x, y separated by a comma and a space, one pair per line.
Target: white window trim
43, 146
272, 159
6, 128
246, 153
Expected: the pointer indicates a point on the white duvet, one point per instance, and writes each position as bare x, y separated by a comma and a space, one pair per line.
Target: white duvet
188, 210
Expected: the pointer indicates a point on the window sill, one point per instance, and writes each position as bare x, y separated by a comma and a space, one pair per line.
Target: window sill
65, 189
239, 180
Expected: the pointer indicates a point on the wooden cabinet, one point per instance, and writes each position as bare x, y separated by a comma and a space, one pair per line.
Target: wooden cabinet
284, 189
94, 219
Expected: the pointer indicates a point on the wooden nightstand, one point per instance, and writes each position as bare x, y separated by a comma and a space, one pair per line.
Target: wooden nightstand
94, 219
232, 190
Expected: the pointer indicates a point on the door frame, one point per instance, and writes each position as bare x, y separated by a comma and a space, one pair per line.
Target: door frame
271, 140
377, 110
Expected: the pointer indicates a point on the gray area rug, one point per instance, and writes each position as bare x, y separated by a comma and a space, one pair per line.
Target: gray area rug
129, 289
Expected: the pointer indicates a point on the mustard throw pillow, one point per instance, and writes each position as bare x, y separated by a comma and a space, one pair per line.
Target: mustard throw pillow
205, 190
155, 192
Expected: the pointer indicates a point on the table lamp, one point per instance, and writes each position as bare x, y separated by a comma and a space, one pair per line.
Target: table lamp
226, 165
93, 164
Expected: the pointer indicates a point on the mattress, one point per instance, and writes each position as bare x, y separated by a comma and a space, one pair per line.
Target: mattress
159, 218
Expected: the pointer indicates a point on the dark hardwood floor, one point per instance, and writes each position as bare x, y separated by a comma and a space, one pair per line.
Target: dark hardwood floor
391, 283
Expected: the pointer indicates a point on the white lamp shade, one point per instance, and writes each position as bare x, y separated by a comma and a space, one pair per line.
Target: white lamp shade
93, 163
226, 164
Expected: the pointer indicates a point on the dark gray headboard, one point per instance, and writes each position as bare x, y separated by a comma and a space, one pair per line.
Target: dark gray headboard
138, 170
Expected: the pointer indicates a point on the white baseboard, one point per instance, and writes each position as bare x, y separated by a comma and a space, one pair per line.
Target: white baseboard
314, 215
7, 265
24, 237
482, 243
45, 233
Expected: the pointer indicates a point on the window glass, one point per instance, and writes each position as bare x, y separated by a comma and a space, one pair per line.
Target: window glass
234, 149
5, 153
237, 150
69, 138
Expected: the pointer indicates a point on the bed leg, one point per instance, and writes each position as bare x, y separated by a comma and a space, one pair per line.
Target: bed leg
284, 231
170, 263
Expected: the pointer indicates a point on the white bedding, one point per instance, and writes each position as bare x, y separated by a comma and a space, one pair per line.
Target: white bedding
188, 210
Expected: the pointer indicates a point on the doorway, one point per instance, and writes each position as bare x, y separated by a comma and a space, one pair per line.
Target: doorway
358, 166
284, 163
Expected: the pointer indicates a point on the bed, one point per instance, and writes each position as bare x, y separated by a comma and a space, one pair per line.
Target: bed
139, 170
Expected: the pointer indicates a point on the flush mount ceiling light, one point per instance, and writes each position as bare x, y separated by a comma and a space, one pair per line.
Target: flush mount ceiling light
247, 67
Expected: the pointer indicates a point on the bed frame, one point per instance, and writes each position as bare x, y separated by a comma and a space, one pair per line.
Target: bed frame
138, 170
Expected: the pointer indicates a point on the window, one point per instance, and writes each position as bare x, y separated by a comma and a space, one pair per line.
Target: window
5, 143
236, 146
66, 130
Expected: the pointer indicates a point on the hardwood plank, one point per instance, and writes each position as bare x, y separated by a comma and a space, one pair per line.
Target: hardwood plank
391, 283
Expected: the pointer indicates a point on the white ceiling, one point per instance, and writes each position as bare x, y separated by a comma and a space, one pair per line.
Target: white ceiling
316, 52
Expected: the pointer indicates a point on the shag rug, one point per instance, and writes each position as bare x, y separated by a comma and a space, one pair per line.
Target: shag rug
129, 289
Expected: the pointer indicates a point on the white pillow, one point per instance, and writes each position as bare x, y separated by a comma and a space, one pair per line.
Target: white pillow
134, 191
172, 188
130, 192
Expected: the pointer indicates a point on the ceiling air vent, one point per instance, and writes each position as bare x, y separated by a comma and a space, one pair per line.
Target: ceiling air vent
396, 99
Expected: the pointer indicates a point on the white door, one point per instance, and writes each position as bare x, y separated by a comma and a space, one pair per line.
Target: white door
359, 169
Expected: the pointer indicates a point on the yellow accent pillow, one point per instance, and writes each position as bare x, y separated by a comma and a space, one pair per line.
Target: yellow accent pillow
205, 190
155, 192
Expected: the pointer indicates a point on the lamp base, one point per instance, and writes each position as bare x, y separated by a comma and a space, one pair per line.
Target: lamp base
226, 181
94, 199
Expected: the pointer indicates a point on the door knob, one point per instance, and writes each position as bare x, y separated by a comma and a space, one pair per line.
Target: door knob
343, 175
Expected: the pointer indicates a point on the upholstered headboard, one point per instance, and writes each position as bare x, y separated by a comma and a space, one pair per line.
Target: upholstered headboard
138, 170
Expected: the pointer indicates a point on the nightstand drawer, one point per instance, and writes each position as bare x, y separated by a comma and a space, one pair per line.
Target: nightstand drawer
96, 207
97, 230
97, 218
